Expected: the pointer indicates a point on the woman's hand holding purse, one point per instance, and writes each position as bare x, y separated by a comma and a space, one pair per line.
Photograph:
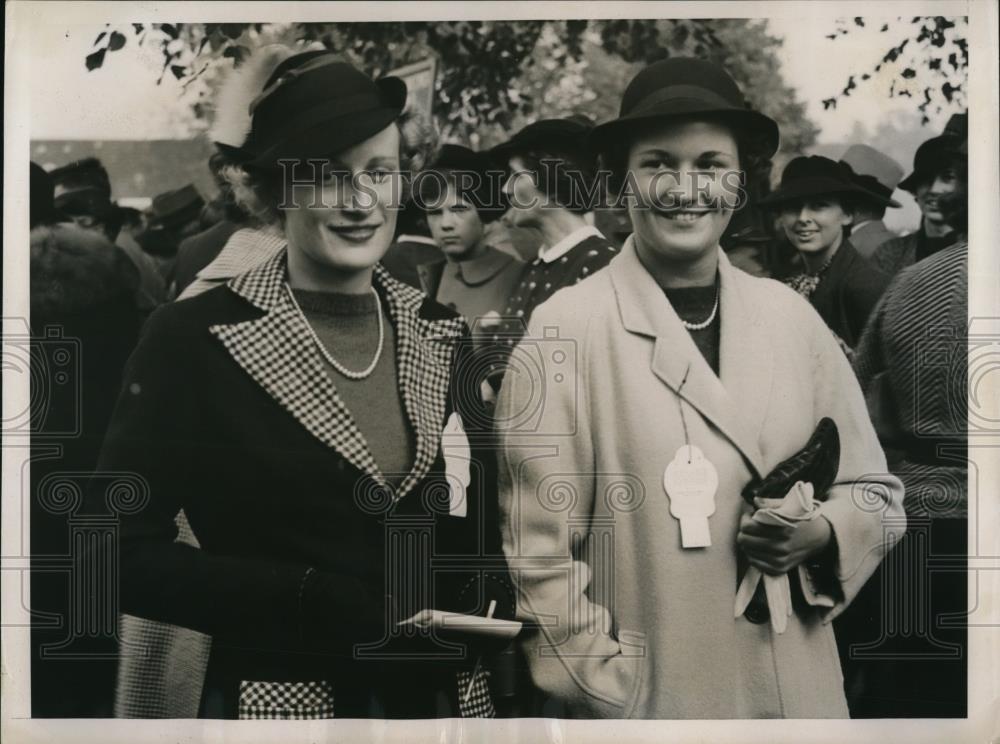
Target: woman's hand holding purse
775, 549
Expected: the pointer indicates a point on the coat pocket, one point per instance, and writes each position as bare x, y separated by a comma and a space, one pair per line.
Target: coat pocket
634, 647
285, 701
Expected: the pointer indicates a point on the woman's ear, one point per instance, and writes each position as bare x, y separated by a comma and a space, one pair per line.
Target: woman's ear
848, 217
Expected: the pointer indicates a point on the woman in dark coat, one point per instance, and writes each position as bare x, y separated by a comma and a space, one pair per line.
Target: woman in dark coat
309, 419
814, 210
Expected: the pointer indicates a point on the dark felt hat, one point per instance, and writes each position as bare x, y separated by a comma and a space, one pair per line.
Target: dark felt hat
812, 176
174, 208
483, 191
84, 179
681, 87
558, 136
935, 154
315, 105
41, 204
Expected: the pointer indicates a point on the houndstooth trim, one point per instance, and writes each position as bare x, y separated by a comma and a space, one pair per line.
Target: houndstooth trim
278, 351
480, 703
285, 701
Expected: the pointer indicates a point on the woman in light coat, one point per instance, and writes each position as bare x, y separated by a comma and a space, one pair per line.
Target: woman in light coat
672, 348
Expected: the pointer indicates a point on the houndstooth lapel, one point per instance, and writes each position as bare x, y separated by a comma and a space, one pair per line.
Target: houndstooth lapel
424, 353
278, 352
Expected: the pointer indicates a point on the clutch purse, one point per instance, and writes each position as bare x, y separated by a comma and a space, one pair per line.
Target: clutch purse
817, 463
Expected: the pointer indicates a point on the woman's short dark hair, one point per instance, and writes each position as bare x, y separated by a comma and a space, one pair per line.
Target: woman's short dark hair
566, 177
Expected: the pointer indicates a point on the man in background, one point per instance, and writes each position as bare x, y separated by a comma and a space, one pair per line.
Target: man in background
82, 193
878, 174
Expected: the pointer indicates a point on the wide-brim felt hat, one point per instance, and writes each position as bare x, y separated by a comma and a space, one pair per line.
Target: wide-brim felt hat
681, 87
313, 106
567, 136
813, 176
486, 194
935, 154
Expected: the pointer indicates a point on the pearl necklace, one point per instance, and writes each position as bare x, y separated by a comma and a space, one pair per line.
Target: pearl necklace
707, 322
350, 374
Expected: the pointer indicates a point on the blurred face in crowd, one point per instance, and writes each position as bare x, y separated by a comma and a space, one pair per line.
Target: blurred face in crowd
684, 174
932, 192
815, 226
455, 226
526, 199
344, 222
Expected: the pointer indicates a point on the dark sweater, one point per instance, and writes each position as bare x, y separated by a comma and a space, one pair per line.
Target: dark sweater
694, 305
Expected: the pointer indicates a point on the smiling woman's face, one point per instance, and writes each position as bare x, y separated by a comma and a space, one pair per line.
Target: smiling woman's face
814, 225
684, 173
350, 226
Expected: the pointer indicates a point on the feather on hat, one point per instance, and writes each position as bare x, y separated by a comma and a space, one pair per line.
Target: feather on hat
239, 89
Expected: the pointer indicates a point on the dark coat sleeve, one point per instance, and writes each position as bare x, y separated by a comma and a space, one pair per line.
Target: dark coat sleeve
154, 433
475, 590
863, 289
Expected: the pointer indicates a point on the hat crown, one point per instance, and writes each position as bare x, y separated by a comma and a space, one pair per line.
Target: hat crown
815, 166
867, 161
315, 104
710, 78
305, 79
957, 126
165, 204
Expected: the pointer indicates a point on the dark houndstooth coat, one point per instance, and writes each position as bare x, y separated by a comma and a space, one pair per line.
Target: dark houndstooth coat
307, 558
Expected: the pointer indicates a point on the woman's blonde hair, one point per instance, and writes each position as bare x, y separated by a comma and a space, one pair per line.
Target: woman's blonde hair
258, 192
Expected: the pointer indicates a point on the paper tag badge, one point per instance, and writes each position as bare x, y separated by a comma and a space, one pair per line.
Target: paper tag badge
691, 481
457, 461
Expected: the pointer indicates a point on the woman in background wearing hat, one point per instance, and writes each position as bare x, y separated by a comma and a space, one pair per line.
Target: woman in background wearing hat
550, 186
933, 183
298, 417
672, 382
459, 200
814, 204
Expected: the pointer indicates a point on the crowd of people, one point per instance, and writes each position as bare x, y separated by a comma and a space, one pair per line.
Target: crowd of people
325, 389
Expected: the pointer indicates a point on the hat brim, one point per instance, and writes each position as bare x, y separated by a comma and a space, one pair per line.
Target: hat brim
932, 156
879, 199
568, 141
331, 136
604, 136
812, 187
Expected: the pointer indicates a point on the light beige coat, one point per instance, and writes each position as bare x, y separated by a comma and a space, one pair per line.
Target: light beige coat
633, 625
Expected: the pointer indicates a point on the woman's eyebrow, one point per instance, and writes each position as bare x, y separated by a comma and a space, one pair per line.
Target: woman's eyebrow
667, 154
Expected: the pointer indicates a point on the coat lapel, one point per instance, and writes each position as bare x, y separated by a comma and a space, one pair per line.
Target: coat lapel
735, 404
278, 352
425, 346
